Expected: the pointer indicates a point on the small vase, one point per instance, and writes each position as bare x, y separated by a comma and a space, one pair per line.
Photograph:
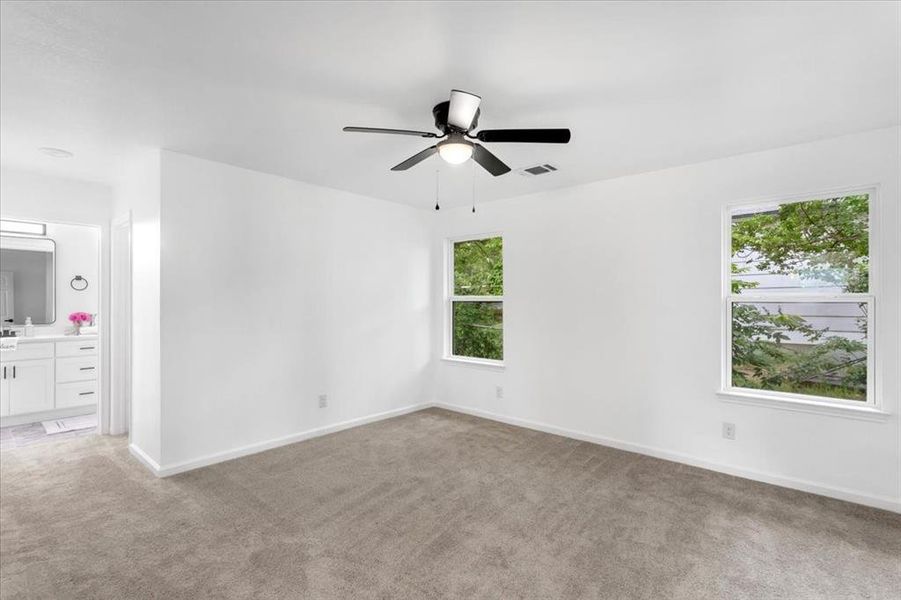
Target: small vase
77, 328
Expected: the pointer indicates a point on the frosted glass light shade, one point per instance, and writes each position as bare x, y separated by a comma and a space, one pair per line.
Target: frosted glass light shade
455, 152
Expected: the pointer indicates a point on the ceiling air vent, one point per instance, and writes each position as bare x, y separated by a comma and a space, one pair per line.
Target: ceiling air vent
537, 170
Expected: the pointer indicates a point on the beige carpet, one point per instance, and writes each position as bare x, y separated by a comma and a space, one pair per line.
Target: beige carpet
429, 505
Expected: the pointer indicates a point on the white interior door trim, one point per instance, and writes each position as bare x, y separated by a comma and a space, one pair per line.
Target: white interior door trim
120, 338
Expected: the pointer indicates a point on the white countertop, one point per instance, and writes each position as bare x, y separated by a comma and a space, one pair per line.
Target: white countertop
56, 338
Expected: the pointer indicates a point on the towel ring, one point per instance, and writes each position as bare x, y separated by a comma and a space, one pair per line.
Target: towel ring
79, 283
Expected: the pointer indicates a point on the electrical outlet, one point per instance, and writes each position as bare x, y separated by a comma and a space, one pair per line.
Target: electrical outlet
729, 431
499, 392
323, 400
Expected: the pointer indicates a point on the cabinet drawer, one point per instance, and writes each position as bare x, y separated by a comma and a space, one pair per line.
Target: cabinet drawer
28, 352
79, 393
85, 348
76, 369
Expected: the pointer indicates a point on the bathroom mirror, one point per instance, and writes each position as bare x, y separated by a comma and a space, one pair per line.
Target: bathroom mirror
27, 280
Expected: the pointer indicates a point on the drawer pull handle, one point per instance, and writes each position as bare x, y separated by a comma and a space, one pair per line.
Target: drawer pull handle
85, 393
86, 348
86, 369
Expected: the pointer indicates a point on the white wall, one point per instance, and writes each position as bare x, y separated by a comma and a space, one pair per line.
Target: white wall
77, 253
38, 196
276, 291
613, 322
139, 193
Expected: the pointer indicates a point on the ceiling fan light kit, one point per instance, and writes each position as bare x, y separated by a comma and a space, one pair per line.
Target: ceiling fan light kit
456, 119
455, 149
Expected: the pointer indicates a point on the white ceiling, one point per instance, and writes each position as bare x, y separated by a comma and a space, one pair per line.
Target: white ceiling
268, 86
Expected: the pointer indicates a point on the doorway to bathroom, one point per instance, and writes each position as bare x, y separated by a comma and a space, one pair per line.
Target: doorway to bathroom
51, 348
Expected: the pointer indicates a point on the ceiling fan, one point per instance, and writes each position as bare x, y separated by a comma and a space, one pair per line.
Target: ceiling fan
456, 119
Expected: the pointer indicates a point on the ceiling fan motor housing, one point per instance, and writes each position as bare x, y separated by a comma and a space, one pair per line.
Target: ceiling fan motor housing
440, 113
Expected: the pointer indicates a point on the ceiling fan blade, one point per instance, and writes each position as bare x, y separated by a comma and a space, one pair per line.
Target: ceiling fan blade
488, 161
462, 109
425, 134
528, 136
415, 159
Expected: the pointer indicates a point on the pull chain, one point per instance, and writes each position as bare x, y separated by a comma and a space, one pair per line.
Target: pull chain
437, 189
473, 169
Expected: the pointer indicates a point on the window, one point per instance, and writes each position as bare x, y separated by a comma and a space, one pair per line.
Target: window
475, 300
798, 302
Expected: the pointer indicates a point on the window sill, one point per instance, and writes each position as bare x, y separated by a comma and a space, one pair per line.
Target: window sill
475, 362
864, 413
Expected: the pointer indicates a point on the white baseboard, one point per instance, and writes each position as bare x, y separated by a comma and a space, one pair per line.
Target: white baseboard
211, 459
884, 503
787, 482
145, 459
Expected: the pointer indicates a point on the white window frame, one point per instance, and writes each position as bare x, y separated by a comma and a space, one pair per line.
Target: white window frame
450, 298
869, 410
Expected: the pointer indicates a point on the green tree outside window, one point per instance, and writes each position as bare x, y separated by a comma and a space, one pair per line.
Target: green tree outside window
478, 325
824, 241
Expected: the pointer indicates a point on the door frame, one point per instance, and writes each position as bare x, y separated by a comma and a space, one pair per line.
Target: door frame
120, 325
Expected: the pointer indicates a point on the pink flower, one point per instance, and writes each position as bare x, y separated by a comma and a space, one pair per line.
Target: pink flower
79, 317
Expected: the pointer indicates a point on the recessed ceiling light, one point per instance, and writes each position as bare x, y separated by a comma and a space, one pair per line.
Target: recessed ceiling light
56, 152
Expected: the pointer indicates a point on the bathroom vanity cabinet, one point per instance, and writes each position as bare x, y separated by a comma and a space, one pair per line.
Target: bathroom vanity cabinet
49, 377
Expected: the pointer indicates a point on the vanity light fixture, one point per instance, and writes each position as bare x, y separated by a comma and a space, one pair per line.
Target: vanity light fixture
22, 227
56, 152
